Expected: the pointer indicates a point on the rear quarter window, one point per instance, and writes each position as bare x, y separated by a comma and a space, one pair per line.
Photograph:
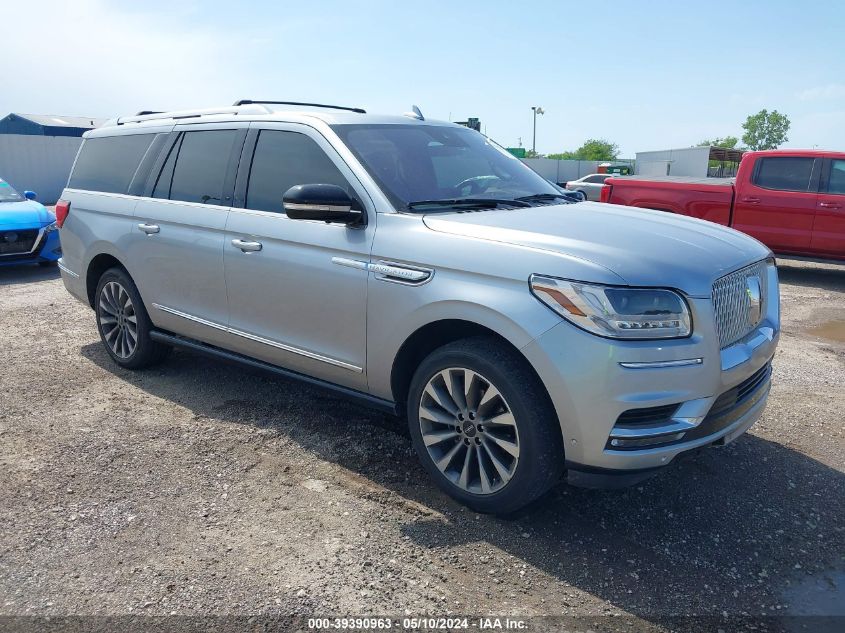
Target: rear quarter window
784, 173
107, 163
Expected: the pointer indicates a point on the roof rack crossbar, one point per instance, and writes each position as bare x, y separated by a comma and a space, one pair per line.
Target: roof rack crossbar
299, 103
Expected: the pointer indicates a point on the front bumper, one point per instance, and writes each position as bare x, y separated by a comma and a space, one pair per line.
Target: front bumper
45, 249
696, 394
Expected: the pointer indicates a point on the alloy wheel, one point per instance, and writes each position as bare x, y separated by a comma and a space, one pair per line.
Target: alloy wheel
117, 319
469, 430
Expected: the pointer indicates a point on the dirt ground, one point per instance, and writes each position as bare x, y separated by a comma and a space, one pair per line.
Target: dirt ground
201, 487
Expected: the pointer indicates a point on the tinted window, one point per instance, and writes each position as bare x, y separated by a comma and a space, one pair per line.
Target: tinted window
836, 181
432, 162
107, 163
282, 160
601, 178
201, 166
786, 173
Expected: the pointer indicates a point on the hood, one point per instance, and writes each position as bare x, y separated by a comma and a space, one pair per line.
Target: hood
643, 247
25, 214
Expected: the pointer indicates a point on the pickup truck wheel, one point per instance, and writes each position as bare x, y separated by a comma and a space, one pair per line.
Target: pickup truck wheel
483, 426
123, 322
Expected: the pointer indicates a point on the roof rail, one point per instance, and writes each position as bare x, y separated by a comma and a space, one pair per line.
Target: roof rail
144, 112
299, 103
190, 114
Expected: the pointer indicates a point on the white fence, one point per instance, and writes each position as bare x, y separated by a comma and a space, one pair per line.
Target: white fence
561, 171
37, 163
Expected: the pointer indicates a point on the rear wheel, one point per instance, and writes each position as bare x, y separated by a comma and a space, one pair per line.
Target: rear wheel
483, 426
123, 322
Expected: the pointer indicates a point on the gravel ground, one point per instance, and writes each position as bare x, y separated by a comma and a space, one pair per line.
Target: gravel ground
205, 488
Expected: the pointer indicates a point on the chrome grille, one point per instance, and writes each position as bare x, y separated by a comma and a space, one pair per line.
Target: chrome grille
731, 303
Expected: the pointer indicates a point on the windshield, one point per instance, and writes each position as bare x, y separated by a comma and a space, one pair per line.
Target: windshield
7, 193
413, 163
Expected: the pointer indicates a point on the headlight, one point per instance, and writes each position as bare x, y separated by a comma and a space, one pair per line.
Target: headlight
51, 227
617, 312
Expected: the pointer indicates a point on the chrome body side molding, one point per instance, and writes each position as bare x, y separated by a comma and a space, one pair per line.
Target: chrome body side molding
260, 339
389, 271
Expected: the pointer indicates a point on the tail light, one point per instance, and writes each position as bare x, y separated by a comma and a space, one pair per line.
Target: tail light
604, 196
62, 210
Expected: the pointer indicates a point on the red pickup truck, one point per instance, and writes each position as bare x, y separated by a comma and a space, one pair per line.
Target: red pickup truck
792, 201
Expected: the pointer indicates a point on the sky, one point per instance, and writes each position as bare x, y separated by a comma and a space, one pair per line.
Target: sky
644, 75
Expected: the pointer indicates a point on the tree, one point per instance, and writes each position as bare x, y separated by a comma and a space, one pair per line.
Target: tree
728, 142
592, 149
765, 130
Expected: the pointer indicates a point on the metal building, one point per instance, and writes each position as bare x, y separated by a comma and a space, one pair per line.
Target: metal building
689, 161
37, 151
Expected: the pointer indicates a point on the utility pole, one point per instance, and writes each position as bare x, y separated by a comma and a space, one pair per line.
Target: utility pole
537, 110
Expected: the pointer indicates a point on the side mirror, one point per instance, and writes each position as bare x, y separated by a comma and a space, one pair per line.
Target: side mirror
327, 203
29, 195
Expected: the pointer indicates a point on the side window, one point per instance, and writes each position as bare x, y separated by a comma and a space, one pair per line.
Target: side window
836, 179
108, 163
597, 179
200, 167
784, 173
282, 160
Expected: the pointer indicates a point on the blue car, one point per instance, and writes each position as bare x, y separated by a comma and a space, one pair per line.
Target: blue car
28, 231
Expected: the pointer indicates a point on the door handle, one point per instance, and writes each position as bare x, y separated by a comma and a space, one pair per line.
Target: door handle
751, 200
830, 205
247, 247
149, 229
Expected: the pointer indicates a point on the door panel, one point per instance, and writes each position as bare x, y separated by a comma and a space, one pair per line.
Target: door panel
179, 268
177, 251
290, 303
778, 205
829, 227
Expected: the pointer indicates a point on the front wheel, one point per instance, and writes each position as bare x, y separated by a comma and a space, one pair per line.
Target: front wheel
483, 426
123, 322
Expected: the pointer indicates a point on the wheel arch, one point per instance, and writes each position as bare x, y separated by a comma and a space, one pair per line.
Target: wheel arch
431, 336
99, 264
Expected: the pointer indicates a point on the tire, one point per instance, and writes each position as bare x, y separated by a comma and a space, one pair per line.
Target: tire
48, 263
123, 322
532, 431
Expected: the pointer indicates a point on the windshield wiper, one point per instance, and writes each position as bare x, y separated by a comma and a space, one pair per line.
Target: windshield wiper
477, 203
539, 197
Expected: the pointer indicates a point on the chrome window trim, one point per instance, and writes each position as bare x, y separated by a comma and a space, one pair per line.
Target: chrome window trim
260, 339
298, 206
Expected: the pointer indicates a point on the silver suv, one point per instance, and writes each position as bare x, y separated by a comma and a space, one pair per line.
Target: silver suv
417, 266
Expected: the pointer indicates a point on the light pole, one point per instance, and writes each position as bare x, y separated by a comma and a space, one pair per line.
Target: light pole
537, 110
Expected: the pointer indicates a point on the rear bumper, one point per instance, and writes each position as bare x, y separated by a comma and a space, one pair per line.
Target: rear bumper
74, 282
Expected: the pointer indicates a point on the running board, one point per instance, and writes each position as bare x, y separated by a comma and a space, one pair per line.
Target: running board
216, 352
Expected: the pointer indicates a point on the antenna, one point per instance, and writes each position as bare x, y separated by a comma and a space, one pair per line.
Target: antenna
415, 114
